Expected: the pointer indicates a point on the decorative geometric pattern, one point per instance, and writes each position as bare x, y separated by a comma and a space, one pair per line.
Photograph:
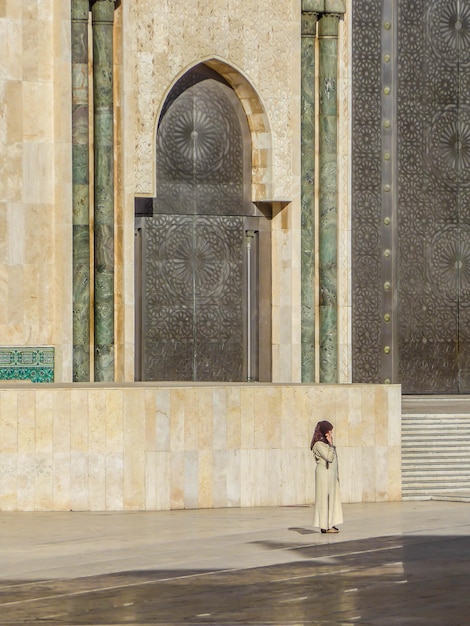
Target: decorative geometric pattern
194, 247
200, 153
366, 191
433, 197
449, 264
195, 315
33, 364
448, 30
448, 145
194, 280
433, 162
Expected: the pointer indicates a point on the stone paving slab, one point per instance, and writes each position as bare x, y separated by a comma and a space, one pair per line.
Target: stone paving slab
394, 563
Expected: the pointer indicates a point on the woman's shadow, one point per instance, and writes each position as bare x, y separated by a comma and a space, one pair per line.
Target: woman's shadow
302, 531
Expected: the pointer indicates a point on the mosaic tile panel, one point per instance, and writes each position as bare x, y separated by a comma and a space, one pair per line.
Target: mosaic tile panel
27, 364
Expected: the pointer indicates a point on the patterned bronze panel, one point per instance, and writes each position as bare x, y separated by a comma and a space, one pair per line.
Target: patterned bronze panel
431, 197
366, 190
434, 179
200, 154
193, 322
194, 282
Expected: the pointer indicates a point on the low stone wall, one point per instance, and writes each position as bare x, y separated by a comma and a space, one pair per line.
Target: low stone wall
170, 446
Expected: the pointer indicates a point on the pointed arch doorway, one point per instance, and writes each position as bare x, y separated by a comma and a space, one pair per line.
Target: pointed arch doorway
203, 265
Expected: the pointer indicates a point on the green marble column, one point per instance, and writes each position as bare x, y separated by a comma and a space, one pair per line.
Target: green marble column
309, 26
80, 192
328, 192
102, 19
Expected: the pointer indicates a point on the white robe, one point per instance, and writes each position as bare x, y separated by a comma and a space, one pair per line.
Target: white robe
328, 511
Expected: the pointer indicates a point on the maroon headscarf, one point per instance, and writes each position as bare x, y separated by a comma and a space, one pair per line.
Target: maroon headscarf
319, 434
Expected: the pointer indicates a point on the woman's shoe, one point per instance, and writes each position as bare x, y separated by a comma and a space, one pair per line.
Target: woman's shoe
330, 530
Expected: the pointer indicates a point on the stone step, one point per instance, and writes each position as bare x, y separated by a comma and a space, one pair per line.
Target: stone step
445, 451
433, 484
441, 427
454, 496
434, 470
435, 448
432, 446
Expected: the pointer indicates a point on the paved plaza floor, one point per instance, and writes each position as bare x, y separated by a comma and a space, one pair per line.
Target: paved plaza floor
391, 564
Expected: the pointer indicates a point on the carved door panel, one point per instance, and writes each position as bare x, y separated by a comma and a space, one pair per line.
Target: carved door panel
194, 323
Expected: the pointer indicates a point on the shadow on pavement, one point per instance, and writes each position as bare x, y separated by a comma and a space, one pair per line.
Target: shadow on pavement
382, 581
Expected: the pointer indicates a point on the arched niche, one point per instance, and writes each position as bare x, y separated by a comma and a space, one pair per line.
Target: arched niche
203, 253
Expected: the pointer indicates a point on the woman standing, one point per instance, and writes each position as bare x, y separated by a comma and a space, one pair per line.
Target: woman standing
328, 510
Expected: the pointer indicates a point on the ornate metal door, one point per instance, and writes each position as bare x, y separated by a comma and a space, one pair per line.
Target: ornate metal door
194, 281
199, 265
412, 179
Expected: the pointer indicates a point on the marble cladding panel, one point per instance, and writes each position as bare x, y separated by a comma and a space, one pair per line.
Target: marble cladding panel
368, 477
13, 93
344, 205
229, 422
34, 188
351, 481
26, 418
114, 422
205, 485
61, 435
3, 253
99, 448
177, 482
161, 408
79, 421
79, 500
220, 463
43, 481
23, 490
220, 420
394, 472
61, 480
12, 67
38, 122
114, 472
97, 482
15, 233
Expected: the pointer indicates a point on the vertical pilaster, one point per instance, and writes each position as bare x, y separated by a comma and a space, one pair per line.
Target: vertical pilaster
389, 191
309, 26
328, 197
80, 191
103, 19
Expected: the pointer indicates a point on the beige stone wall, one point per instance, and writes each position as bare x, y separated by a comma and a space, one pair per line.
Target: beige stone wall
155, 447
35, 179
256, 46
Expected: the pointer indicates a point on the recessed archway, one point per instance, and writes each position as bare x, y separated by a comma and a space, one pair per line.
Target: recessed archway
206, 305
